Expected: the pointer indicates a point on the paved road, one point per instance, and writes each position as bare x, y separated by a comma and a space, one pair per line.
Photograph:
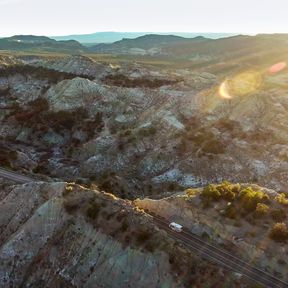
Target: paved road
220, 256
15, 176
196, 244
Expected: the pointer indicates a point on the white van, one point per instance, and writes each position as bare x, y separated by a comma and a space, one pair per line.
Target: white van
176, 227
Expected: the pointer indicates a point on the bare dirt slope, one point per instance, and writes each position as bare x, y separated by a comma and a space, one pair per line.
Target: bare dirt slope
62, 235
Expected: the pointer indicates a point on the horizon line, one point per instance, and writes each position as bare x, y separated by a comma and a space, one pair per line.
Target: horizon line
144, 32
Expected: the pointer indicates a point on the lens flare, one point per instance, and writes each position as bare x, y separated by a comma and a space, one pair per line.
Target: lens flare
223, 91
240, 85
278, 67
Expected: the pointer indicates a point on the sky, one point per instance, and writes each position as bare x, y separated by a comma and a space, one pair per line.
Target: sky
66, 17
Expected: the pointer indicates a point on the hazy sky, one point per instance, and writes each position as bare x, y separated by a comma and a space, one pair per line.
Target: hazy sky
62, 17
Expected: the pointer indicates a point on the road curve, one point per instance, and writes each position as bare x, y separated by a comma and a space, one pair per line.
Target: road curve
18, 178
220, 256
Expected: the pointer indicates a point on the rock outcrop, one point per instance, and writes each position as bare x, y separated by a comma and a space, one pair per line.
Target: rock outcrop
79, 65
138, 129
60, 235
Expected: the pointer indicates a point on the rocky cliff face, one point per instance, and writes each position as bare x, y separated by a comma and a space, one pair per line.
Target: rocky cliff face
60, 235
119, 127
79, 65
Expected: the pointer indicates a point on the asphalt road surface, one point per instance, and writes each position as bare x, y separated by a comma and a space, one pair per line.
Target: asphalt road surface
18, 178
220, 256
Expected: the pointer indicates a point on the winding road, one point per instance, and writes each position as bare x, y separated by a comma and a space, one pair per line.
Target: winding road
195, 244
13, 176
220, 256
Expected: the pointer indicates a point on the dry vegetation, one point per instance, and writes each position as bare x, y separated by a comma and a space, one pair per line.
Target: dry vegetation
124, 81
244, 202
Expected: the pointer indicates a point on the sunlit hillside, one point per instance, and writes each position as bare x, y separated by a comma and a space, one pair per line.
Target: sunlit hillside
158, 160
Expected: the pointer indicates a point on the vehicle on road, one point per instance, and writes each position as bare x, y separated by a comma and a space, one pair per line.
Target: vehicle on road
238, 275
176, 227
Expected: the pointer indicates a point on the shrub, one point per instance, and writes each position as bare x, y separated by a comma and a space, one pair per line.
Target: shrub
93, 210
68, 189
39, 105
281, 262
143, 236
174, 187
61, 119
281, 199
70, 206
206, 203
148, 131
51, 75
124, 226
211, 192
251, 198
227, 124
278, 215
213, 146
4, 162
125, 133
241, 200
121, 145
182, 146
227, 190
12, 155
150, 247
124, 81
279, 232
191, 192
261, 210
65, 119
231, 212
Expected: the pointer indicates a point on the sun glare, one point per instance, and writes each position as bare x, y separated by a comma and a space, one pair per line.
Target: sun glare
240, 85
223, 91
278, 67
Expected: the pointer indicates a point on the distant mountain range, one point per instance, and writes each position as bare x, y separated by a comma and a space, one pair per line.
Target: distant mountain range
40, 43
110, 37
197, 49
151, 44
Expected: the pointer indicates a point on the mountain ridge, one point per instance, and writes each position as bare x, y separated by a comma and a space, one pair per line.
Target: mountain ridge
110, 36
144, 44
42, 43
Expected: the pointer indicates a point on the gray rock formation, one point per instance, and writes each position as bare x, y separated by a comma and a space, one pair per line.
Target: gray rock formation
50, 238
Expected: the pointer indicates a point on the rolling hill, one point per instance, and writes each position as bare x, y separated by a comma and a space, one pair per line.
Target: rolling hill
148, 44
40, 43
110, 37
